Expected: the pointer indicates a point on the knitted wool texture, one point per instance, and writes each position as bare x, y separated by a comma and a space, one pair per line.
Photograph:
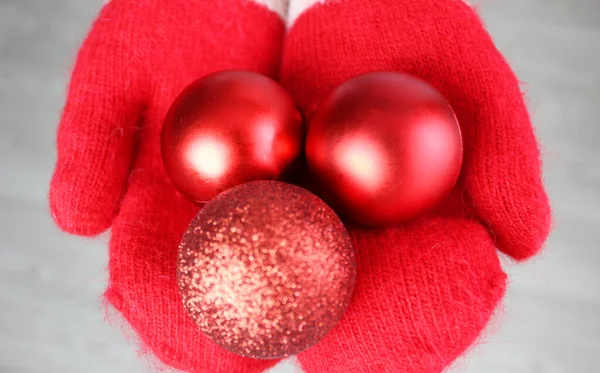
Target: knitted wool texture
424, 291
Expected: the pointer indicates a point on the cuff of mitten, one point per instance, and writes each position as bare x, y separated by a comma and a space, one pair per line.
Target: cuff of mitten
297, 7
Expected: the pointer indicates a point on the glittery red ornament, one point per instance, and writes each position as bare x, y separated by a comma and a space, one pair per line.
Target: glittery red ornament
228, 128
266, 269
384, 147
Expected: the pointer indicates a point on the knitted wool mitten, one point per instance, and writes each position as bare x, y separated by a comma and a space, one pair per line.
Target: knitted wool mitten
137, 58
425, 291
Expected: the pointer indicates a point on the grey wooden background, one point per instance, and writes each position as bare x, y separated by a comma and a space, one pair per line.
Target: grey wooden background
50, 283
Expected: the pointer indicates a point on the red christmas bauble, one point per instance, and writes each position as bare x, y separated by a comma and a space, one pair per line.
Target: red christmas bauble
384, 147
228, 128
266, 269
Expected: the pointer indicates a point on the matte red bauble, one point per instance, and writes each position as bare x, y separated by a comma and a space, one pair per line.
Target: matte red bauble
266, 269
385, 148
228, 128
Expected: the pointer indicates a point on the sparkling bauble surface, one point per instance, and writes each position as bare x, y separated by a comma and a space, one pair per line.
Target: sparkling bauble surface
384, 148
228, 128
266, 269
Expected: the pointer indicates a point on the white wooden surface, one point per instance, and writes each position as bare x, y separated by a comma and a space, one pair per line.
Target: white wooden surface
51, 318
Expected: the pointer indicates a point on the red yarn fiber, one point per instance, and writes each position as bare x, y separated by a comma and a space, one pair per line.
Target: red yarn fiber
424, 291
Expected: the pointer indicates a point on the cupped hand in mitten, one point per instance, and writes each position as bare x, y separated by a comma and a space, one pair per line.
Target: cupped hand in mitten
425, 291
138, 56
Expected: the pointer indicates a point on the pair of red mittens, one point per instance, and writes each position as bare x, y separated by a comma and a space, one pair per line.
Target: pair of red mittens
424, 291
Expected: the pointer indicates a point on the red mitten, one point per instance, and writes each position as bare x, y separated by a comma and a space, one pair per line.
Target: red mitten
425, 291
137, 58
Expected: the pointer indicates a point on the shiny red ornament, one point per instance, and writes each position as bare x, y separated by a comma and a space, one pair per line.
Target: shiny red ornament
228, 128
266, 269
384, 148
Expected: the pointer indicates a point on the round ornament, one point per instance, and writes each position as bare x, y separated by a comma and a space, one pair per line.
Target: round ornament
228, 128
266, 269
384, 148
